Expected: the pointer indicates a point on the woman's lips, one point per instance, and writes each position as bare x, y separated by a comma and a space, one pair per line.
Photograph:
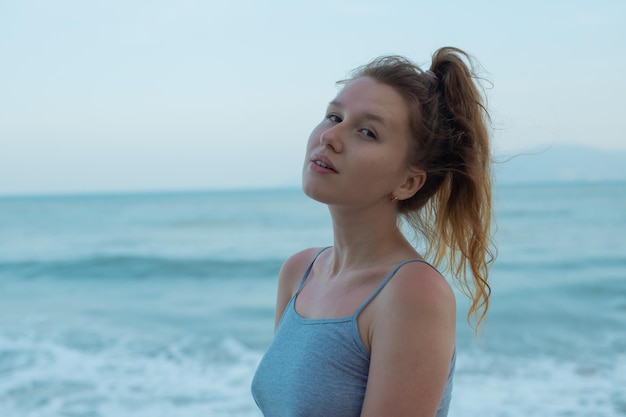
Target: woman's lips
322, 164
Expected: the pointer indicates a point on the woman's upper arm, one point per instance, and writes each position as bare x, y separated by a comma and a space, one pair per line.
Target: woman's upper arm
289, 278
412, 337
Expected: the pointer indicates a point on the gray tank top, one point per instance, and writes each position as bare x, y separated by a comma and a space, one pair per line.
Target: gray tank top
319, 367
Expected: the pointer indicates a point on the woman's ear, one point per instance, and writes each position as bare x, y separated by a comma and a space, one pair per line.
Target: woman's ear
414, 181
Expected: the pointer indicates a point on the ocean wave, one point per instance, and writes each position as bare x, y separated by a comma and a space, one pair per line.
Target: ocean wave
490, 386
196, 377
581, 263
140, 267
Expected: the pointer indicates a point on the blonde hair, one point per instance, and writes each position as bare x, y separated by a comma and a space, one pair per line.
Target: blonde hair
448, 124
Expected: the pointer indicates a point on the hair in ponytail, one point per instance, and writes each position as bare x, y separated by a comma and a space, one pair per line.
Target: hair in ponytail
448, 125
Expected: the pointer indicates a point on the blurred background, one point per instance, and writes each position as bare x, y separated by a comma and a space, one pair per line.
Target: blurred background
159, 95
150, 159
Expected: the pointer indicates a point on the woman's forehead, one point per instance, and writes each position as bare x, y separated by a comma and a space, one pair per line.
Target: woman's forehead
372, 99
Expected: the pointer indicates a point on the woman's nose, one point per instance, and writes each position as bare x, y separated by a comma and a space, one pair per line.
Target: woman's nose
331, 138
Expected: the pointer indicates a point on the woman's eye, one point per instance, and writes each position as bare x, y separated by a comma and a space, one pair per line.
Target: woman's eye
334, 118
368, 132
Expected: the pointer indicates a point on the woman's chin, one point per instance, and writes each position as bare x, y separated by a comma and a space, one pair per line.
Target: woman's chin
315, 194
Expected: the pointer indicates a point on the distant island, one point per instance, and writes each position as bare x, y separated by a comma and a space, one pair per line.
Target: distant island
560, 163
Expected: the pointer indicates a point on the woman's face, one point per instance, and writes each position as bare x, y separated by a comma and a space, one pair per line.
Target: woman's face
357, 155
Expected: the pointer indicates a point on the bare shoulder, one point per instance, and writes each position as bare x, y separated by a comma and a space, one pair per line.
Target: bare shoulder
418, 299
294, 268
418, 288
412, 338
289, 278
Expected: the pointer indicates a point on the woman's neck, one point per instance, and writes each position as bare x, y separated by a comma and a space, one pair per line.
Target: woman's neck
366, 238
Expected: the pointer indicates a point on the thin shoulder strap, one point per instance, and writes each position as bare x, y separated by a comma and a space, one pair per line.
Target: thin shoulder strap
308, 270
385, 281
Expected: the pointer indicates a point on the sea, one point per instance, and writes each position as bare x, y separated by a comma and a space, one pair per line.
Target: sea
162, 304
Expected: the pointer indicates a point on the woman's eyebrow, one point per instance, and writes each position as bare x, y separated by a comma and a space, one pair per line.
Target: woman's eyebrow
366, 115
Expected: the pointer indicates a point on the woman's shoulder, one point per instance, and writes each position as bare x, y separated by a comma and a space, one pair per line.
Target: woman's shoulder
294, 268
424, 283
302, 258
300, 261
290, 276
418, 289
411, 340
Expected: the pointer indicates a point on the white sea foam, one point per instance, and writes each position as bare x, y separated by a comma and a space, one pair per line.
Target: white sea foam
64, 376
514, 386
185, 378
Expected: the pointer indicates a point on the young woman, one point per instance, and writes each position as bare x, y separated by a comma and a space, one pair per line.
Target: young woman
367, 327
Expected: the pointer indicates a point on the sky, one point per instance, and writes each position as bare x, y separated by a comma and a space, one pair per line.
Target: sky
108, 96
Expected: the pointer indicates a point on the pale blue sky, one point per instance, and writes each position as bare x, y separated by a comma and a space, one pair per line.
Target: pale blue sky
165, 95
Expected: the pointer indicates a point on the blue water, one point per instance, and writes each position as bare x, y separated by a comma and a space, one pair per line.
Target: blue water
162, 304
